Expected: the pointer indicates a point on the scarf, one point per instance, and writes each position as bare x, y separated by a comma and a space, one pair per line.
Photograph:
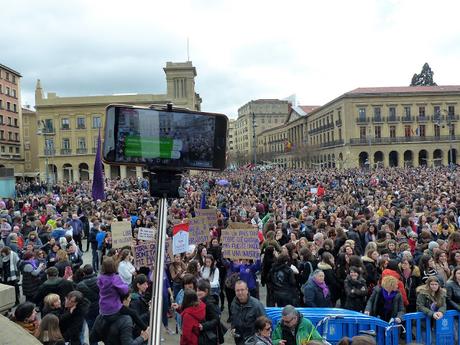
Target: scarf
323, 287
13, 272
388, 299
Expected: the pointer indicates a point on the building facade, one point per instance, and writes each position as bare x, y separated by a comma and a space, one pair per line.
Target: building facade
69, 126
29, 135
11, 152
253, 118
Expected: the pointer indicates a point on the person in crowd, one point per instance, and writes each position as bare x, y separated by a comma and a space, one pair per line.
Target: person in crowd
263, 331
193, 313
316, 292
111, 288
177, 271
89, 288
247, 270
386, 301
248, 310
126, 269
392, 269
52, 305
358, 340
356, 290
62, 262
283, 282
139, 303
73, 316
9, 269
294, 329
209, 271
188, 282
53, 284
77, 230
210, 329
410, 276
431, 298
268, 261
74, 256
31, 271
34, 240
94, 245
49, 332
453, 290
26, 317
427, 267
327, 265
441, 265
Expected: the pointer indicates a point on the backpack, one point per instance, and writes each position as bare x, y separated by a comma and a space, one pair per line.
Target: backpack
302, 275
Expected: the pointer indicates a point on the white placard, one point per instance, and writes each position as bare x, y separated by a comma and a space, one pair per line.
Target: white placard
180, 242
146, 234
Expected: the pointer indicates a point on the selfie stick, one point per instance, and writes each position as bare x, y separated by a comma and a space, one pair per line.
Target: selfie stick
163, 184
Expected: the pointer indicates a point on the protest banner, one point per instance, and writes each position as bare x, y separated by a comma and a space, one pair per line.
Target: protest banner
146, 234
121, 234
180, 238
144, 254
198, 230
210, 214
241, 243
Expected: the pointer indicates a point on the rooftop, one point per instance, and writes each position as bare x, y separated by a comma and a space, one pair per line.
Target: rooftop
404, 89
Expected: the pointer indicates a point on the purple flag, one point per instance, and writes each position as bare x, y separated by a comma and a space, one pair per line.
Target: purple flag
98, 177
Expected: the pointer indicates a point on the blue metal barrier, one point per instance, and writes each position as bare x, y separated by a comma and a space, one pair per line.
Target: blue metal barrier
350, 323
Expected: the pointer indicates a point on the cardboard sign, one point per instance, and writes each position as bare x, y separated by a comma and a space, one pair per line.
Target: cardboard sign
198, 230
121, 234
241, 243
180, 242
146, 234
210, 214
144, 254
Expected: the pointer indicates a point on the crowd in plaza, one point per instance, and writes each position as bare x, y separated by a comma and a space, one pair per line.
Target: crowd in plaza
383, 242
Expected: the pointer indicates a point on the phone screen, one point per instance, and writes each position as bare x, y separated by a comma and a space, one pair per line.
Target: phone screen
165, 138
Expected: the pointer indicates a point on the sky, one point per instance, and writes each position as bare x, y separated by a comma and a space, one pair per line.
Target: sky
242, 50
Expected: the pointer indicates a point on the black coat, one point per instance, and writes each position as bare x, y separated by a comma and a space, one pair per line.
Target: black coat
331, 280
282, 280
58, 286
89, 288
375, 305
114, 330
209, 335
71, 324
314, 297
356, 300
453, 295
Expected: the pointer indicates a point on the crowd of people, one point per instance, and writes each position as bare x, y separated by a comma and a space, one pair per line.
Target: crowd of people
384, 242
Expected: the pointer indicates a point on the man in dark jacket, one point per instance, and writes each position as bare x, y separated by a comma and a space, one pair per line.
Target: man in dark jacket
210, 332
119, 331
72, 319
88, 287
93, 241
283, 281
53, 284
246, 309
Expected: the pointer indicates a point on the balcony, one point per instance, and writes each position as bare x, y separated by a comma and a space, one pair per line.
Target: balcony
65, 128
338, 122
422, 119
94, 150
48, 130
66, 151
332, 143
452, 118
82, 151
81, 127
49, 152
395, 140
437, 118
377, 119
407, 118
362, 120
393, 119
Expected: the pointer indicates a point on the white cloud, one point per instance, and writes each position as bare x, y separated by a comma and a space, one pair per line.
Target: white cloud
242, 50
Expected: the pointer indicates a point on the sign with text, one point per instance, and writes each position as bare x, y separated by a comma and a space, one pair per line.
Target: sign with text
242, 243
180, 242
198, 230
210, 214
146, 234
121, 234
144, 254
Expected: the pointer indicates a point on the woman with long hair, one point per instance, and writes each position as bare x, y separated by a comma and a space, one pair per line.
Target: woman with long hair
209, 271
427, 267
49, 332
193, 313
410, 277
177, 269
441, 265
126, 269
453, 290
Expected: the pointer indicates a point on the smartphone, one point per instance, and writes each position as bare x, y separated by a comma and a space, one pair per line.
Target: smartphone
163, 138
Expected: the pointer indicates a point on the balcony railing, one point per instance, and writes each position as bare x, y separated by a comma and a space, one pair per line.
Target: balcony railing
377, 119
386, 140
338, 122
362, 120
66, 151
393, 119
81, 127
48, 130
82, 151
422, 118
407, 118
452, 118
49, 152
65, 128
332, 143
437, 118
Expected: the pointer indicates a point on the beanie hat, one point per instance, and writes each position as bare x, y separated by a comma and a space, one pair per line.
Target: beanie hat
432, 245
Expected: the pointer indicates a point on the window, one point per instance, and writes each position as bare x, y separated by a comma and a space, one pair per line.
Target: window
437, 130
2, 135
96, 122
340, 133
392, 131
422, 130
7, 76
437, 110
81, 143
452, 130
16, 122
378, 131
421, 111
362, 132
1, 104
407, 131
14, 93
1, 88
10, 149
15, 108
407, 111
451, 110
3, 149
17, 149
81, 122
10, 136
1, 119
392, 112
95, 143
8, 106
16, 136
66, 143
65, 123
14, 79
377, 112
361, 113
7, 91
49, 144
49, 125
9, 121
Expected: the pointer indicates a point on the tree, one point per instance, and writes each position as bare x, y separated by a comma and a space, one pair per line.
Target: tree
425, 78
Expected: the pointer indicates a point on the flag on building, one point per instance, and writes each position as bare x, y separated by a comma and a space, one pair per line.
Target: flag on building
98, 176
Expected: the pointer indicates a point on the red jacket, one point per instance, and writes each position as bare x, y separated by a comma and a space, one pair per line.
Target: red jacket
191, 317
401, 288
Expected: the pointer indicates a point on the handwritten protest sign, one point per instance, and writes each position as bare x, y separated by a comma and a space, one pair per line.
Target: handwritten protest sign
146, 234
121, 234
180, 238
144, 254
198, 230
242, 243
210, 214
